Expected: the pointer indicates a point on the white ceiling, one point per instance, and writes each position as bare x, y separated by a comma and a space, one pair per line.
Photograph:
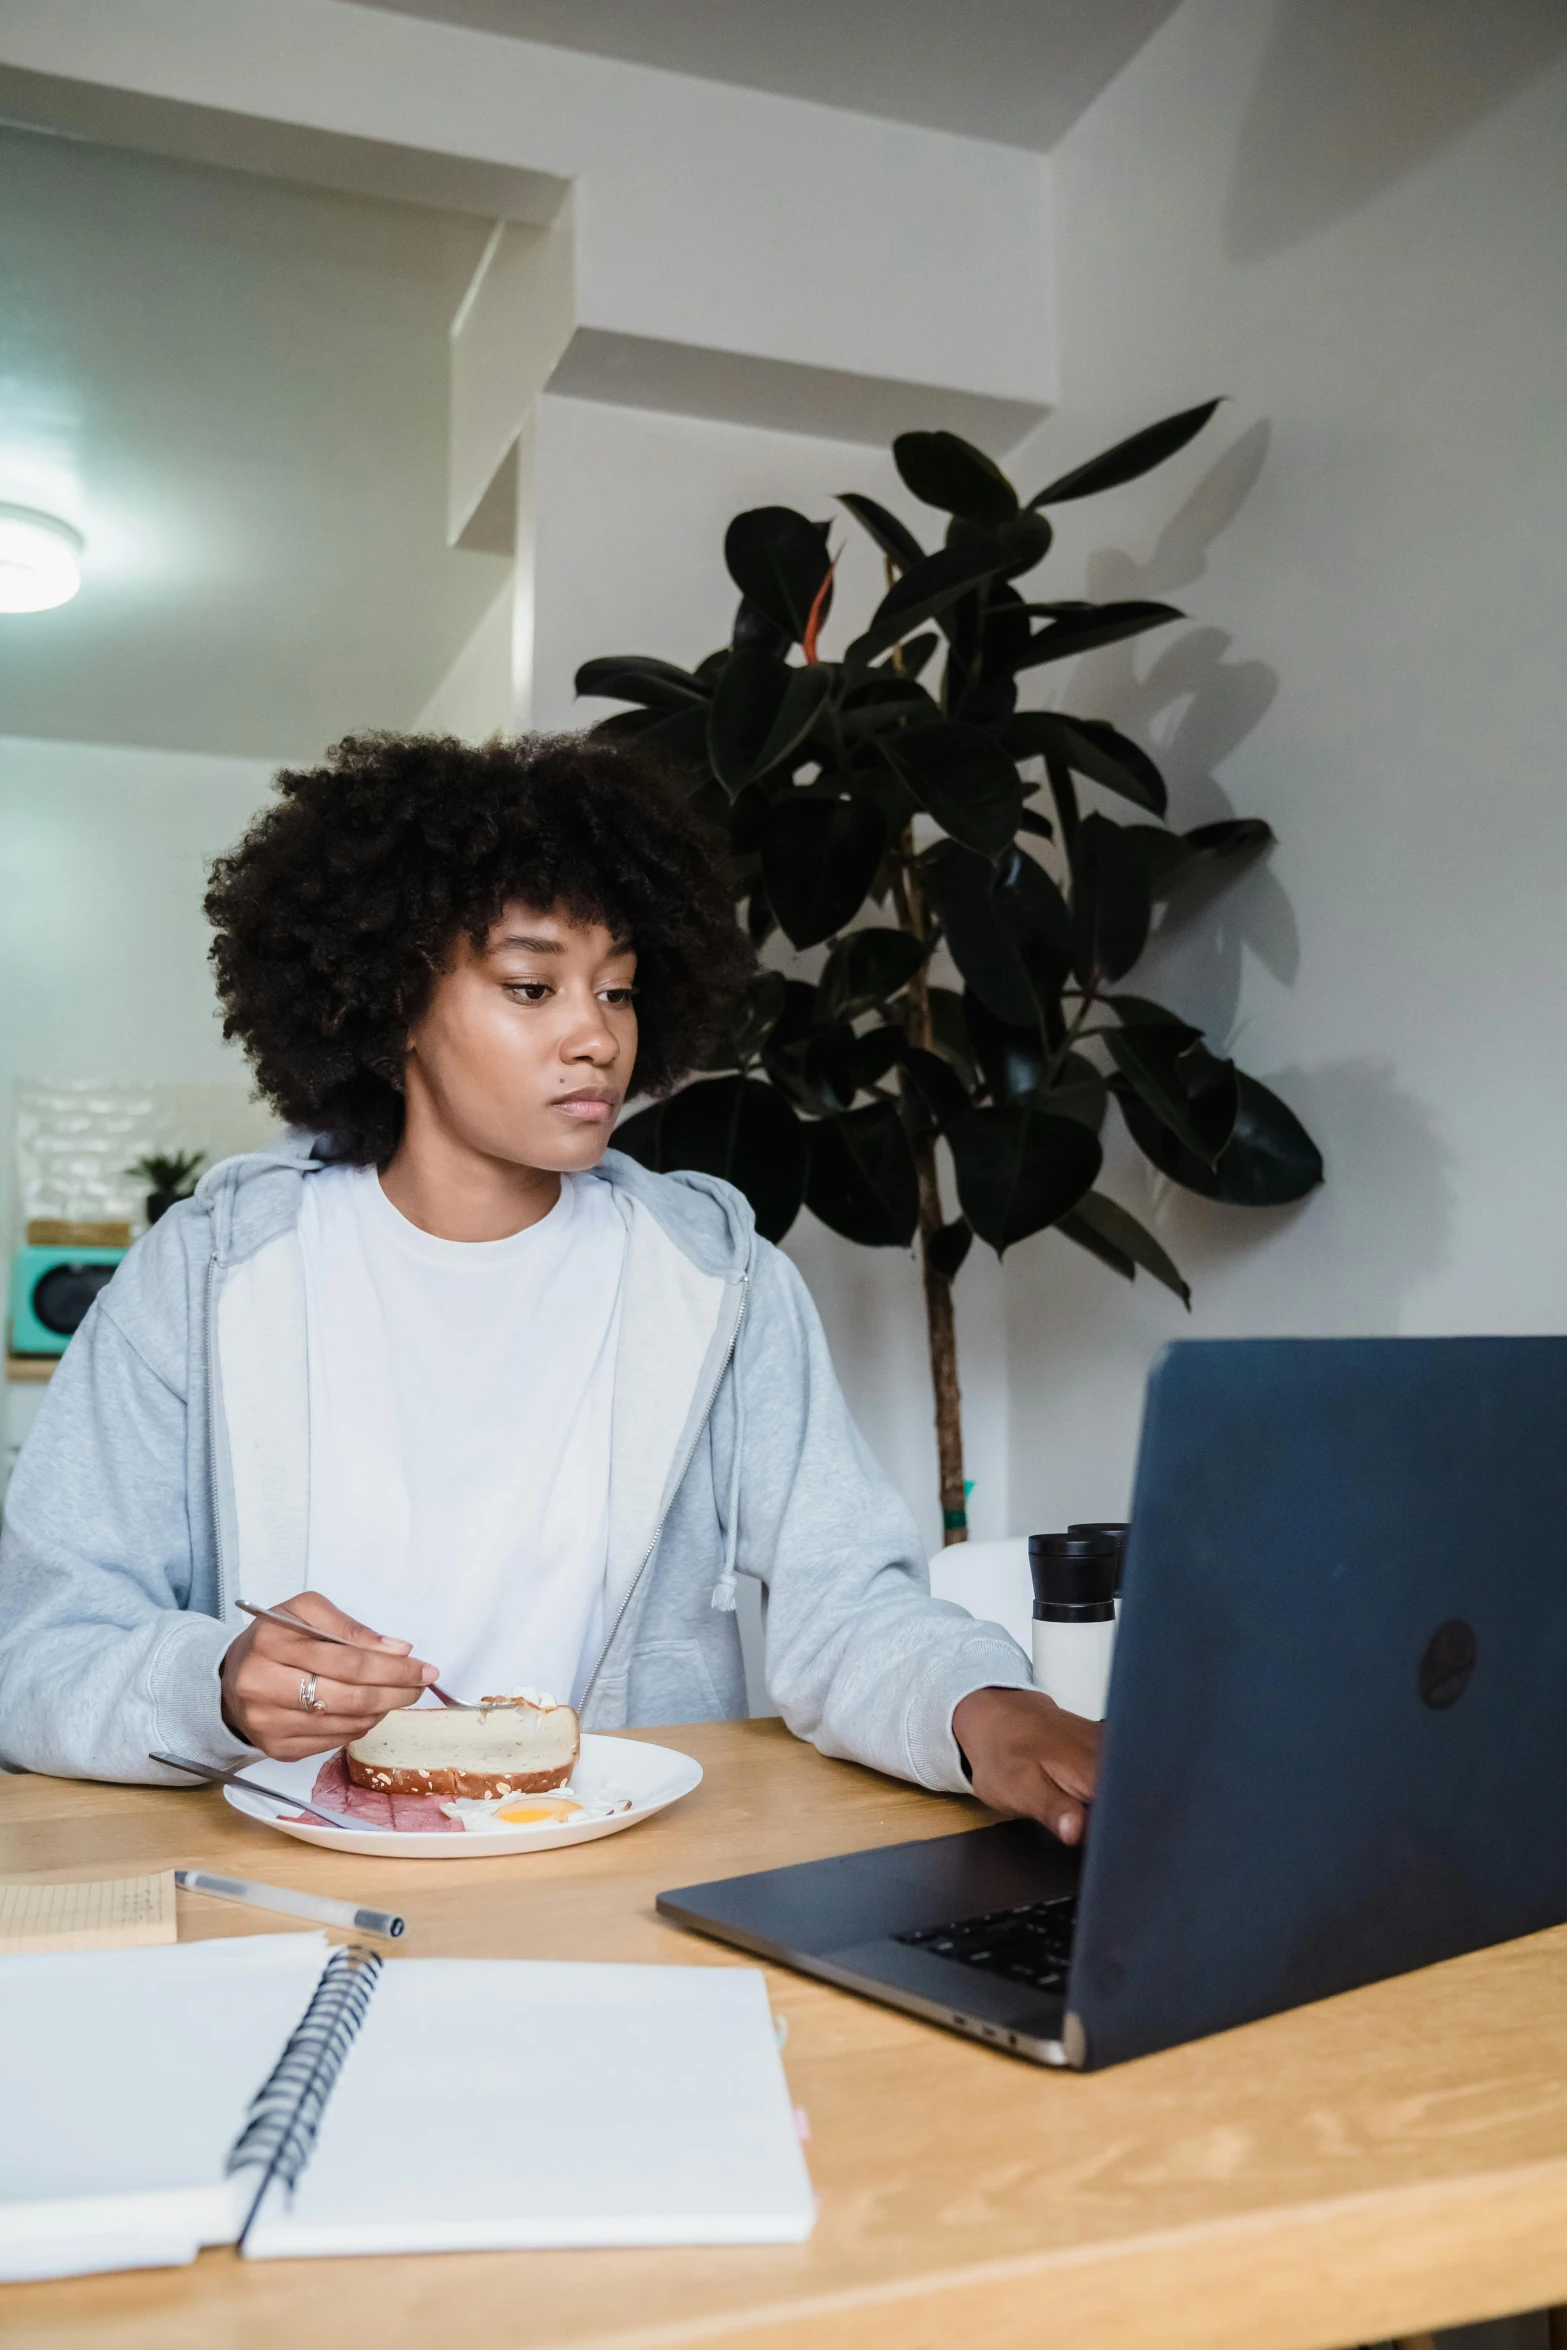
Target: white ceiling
237, 389
1018, 71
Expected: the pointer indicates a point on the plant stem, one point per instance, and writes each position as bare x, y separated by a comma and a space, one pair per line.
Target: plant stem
940, 1328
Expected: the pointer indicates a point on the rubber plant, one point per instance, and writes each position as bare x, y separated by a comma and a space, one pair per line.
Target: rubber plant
883, 806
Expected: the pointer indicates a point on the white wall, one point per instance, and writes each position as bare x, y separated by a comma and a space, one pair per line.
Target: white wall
103, 944
1350, 220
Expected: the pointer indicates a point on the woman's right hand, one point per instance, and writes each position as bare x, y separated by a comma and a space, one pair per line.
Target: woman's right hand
262, 1674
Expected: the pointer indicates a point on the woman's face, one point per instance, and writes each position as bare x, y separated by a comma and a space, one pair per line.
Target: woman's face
526, 1048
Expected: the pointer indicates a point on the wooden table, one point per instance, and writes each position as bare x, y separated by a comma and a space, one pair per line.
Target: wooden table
1375, 2166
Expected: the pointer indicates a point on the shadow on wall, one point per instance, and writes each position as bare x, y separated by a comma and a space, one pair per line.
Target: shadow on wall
1193, 707
1384, 1223
1356, 94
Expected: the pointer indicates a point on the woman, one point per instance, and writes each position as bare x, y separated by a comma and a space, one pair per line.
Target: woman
446, 1376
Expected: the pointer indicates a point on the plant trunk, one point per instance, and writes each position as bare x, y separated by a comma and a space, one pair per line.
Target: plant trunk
942, 1335
940, 1329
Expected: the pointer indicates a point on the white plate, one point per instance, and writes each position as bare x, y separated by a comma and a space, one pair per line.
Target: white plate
607, 1769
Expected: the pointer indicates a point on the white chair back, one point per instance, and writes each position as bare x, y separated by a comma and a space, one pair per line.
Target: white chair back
991, 1580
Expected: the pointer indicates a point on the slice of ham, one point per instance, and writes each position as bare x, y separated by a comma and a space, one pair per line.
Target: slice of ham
334, 1790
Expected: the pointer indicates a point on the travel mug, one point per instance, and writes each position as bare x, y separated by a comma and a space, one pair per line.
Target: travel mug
1074, 1579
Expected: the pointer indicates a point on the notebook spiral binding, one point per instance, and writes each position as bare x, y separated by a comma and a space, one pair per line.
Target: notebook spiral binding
285, 2114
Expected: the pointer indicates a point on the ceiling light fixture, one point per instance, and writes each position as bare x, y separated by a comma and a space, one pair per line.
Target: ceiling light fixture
39, 560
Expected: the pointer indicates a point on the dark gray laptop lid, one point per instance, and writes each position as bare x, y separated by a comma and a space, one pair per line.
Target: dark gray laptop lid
1337, 1735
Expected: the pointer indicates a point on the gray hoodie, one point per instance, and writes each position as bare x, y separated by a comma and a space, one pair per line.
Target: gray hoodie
167, 1476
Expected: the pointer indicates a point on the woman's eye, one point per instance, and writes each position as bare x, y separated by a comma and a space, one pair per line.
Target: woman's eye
530, 991
620, 996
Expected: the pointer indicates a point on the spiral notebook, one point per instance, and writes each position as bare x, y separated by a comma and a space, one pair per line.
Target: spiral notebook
297, 2100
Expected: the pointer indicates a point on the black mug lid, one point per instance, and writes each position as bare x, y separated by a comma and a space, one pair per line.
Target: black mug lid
1072, 1569
1116, 1529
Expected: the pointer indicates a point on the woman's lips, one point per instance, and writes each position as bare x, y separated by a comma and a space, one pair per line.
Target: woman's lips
594, 1109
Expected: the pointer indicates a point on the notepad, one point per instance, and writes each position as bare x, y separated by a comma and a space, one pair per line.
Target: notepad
155, 2103
116, 1913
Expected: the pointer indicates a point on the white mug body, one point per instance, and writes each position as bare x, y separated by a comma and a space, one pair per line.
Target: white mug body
1072, 1663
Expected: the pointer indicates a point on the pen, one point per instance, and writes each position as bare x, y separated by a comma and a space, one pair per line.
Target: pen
296, 1905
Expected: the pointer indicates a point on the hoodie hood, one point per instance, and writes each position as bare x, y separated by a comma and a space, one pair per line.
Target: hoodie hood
250, 1200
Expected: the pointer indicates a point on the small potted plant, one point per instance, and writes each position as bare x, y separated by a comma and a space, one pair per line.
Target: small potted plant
171, 1175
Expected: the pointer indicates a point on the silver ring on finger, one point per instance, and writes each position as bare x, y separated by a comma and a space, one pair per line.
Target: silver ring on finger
309, 1702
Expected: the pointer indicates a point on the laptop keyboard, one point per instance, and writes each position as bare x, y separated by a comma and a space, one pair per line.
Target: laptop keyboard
1031, 1945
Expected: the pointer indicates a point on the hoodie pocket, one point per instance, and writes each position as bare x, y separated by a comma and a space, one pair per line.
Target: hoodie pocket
672, 1683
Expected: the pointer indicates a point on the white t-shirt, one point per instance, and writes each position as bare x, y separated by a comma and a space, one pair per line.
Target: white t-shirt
460, 1396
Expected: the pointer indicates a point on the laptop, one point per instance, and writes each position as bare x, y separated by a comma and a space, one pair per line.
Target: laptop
1335, 1745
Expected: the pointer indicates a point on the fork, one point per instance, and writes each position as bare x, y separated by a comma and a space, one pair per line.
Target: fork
232, 1778
280, 1615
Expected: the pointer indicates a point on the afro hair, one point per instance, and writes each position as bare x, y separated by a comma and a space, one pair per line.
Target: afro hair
346, 898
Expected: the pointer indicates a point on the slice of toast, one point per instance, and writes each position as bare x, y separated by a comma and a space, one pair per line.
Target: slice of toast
506, 1746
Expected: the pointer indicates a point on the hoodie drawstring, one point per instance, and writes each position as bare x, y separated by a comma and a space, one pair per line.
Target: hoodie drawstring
723, 1597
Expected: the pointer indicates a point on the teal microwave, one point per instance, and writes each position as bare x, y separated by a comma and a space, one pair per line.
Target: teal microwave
51, 1290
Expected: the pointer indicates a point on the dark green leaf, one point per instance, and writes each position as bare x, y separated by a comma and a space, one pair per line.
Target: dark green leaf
778, 560
1019, 1169
759, 1012
1164, 857
743, 713
1073, 1227
1017, 1068
623, 725
1235, 836
1269, 1160
1008, 929
876, 1054
860, 1179
754, 632
1107, 624
1110, 904
1140, 1011
760, 920
1092, 748
1173, 1073
944, 471
897, 543
960, 776
734, 1127
1078, 1091
894, 704
1012, 1056
1024, 541
1222, 850
928, 589
895, 689
950, 1245
1107, 1231
949, 1033
795, 1027
914, 652
680, 736
866, 968
808, 691
1129, 458
826, 1069
634, 677
818, 861
933, 1089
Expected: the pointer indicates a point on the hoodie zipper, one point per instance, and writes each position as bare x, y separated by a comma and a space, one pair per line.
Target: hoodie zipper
214, 1267
674, 1488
